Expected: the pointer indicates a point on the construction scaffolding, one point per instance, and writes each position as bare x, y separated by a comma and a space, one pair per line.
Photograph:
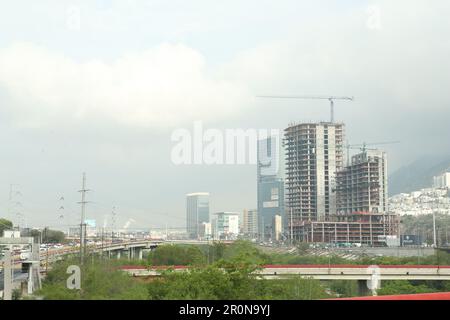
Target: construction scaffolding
314, 153
362, 186
327, 202
364, 228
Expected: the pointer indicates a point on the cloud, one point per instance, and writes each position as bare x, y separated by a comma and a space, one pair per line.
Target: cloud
162, 86
400, 60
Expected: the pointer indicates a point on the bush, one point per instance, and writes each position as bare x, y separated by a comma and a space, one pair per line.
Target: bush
170, 255
99, 281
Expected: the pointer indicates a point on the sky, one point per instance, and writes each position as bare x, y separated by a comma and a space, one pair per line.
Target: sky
99, 86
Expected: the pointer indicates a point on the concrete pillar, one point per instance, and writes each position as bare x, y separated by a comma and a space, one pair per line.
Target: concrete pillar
7, 276
24, 288
140, 253
118, 254
363, 290
30, 279
36, 266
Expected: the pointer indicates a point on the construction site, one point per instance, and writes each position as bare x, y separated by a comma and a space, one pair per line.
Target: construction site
362, 185
365, 228
331, 203
314, 153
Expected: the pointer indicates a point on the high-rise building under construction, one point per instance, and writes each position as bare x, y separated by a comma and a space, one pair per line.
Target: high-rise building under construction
330, 203
314, 153
362, 185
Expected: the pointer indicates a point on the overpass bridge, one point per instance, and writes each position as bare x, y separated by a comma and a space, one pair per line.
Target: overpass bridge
369, 277
366, 275
129, 249
134, 249
328, 272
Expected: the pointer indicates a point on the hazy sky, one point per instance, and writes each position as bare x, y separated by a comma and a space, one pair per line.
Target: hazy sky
99, 86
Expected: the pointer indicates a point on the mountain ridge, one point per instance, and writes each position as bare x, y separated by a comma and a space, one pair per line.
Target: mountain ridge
418, 174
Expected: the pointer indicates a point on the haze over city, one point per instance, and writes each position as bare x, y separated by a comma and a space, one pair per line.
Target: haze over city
99, 87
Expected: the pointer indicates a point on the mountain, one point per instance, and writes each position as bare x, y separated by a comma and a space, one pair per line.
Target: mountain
417, 175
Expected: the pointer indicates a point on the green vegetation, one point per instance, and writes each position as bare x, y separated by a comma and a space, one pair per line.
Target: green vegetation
231, 280
45, 236
403, 287
344, 288
219, 271
423, 225
100, 280
171, 255
228, 274
5, 225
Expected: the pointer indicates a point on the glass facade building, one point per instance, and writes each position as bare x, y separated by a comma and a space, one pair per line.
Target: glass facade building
197, 212
270, 185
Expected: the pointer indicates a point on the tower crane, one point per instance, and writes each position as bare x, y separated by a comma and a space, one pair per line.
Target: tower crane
329, 98
363, 147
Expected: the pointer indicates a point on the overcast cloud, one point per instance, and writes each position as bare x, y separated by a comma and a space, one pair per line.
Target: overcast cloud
104, 92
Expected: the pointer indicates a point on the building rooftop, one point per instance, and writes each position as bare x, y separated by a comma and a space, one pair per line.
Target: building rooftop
197, 194
227, 213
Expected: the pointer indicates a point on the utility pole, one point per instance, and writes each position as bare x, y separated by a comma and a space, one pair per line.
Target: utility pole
46, 247
61, 215
263, 227
113, 223
292, 233
103, 231
14, 204
83, 218
434, 230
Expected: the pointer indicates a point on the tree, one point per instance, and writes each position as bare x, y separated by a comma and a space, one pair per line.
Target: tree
402, 287
246, 251
215, 251
230, 280
47, 235
344, 288
176, 255
53, 236
99, 281
5, 225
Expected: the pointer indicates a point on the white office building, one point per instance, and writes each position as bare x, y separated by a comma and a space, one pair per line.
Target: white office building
226, 225
250, 223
